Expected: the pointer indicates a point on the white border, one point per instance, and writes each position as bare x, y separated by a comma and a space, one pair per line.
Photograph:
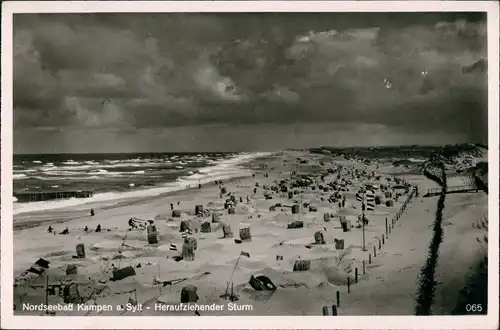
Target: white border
303, 322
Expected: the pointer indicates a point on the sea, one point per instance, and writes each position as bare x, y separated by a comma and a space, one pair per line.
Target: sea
114, 177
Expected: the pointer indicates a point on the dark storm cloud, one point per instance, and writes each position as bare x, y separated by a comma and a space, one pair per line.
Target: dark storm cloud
399, 70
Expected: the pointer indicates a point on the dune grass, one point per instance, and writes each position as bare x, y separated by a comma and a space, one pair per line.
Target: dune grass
427, 286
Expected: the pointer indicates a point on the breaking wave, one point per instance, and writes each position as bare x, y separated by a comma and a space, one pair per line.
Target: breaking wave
221, 170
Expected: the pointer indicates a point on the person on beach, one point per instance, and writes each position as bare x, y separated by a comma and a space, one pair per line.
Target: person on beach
172, 206
98, 228
365, 220
92, 213
199, 185
49, 230
131, 223
86, 229
65, 231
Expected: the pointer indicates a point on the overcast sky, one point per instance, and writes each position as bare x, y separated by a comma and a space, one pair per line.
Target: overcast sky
195, 82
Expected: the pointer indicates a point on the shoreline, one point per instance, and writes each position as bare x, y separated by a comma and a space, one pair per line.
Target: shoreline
64, 213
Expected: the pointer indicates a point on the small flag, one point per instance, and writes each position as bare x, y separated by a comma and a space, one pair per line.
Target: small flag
246, 254
106, 100
173, 247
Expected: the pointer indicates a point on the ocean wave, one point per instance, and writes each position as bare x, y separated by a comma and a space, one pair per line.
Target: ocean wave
70, 162
19, 176
223, 170
107, 166
37, 162
24, 171
100, 171
61, 173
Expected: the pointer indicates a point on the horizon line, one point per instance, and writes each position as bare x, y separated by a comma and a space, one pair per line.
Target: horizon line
485, 145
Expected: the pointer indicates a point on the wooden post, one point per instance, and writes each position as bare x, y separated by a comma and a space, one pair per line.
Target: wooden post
78, 293
46, 292
364, 271
379, 244
356, 275
334, 310
369, 258
386, 230
383, 239
325, 310
338, 298
348, 285
374, 251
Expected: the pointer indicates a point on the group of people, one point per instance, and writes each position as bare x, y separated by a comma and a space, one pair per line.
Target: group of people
66, 230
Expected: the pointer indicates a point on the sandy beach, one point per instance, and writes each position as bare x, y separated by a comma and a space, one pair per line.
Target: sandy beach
387, 280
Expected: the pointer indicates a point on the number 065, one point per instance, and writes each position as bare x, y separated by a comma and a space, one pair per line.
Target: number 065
474, 308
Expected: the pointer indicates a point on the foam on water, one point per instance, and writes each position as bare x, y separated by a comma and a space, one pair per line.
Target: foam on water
222, 170
71, 162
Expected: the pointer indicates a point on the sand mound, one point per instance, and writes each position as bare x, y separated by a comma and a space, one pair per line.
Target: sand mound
333, 275
127, 255
332, 270
57, 254
265, 204
215, 247
243, 209
251, 264
140, 235
301, 241
287, 279
110, 246
164, 216
274, 275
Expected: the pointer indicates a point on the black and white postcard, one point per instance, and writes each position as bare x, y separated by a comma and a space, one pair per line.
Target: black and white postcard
322, 164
